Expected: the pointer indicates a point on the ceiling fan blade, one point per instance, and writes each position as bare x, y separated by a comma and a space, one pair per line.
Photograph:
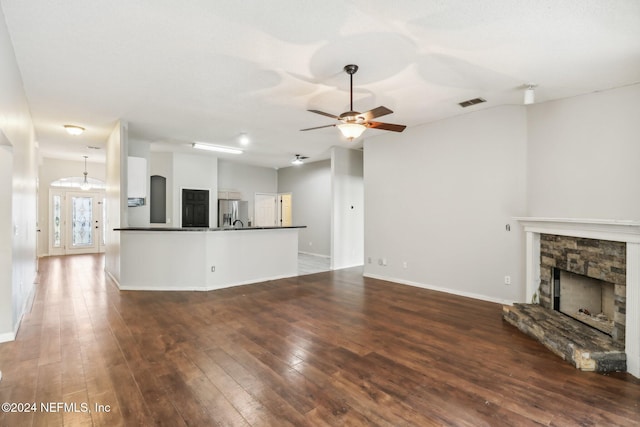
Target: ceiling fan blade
386, 126
318, 127
324, 114
376, 112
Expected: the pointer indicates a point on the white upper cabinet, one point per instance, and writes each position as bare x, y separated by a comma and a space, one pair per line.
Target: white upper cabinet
137, 182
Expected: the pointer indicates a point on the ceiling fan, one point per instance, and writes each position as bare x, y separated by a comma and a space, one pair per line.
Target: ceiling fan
298, 159
352, 123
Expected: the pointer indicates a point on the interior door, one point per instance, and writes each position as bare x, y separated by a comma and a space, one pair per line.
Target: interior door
195, 208
265, 207
285, 210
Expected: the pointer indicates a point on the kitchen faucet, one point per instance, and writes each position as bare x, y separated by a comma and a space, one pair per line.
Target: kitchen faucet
241, 223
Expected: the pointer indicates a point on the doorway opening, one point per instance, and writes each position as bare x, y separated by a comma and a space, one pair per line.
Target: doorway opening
75, 222
273, 209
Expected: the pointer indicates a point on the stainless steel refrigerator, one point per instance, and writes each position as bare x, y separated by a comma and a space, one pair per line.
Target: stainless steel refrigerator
233, 213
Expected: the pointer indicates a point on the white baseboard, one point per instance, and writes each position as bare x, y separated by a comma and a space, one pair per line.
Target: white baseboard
26, 307
314, 254
203, 288
441, 289
7, 336
333, 267
112, 277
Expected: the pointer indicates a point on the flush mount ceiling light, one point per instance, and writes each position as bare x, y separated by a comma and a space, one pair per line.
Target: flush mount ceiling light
85, 184
298, 160
529, 94
73, 129
243, 139
217, 148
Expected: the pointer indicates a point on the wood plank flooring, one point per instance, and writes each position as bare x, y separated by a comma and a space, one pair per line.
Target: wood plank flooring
325, 349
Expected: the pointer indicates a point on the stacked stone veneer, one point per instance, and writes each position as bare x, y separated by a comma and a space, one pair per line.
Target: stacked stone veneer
599, 259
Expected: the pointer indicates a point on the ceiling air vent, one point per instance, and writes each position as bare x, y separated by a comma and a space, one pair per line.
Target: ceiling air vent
470, 102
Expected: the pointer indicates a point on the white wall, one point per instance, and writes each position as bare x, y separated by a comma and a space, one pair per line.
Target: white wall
139, 216
439, 196
310, 185
197, 172
116, 199
51, 170
6, 237
247, 179
347, 213
583, 156
19, 249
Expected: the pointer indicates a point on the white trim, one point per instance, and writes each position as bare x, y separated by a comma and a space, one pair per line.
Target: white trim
112, 277
626, 231
532, 266
315, 254
440, 289
202, 288
601, 229
7, 337
632, 320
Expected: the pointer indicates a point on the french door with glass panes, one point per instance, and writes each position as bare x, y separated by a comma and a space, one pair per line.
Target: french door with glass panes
75, 225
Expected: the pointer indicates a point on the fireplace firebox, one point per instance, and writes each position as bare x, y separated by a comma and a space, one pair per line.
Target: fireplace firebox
588, 300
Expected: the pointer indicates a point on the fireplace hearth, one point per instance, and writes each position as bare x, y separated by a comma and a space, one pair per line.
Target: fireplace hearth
607, 251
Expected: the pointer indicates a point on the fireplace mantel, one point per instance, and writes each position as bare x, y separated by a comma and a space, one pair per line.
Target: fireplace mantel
599, 229
603, 229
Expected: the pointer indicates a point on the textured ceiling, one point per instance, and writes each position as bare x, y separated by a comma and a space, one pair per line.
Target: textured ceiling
203, 70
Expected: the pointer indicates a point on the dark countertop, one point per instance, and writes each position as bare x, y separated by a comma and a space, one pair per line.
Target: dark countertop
204, 229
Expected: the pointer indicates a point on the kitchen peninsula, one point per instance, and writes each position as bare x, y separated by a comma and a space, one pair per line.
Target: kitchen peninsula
186, 259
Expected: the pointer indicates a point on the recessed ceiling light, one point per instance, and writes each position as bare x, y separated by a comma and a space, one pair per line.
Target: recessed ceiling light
203, 146
73, 129
244, 139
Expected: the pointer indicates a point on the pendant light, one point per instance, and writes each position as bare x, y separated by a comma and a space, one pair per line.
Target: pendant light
529, 94
85, 186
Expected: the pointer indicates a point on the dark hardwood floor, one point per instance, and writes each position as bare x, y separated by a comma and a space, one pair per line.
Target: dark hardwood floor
326, 349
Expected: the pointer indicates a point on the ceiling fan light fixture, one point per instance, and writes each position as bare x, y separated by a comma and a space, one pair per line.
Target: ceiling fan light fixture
530, 94
73, 129
217, 148
297, 160
351, 131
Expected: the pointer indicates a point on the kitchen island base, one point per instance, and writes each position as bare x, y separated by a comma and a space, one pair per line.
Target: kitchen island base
203, 260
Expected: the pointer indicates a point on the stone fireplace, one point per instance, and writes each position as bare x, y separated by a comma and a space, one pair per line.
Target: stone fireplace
600, 260
585, 279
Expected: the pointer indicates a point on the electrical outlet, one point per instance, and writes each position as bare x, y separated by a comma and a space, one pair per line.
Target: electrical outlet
384, 261
404, 264
507, 280
369, 260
